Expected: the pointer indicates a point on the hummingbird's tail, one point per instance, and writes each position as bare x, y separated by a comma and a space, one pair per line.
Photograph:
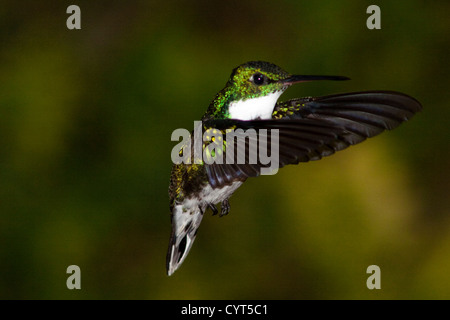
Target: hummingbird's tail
185, 223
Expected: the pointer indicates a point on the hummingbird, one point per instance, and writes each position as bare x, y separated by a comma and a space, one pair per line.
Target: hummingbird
309, 128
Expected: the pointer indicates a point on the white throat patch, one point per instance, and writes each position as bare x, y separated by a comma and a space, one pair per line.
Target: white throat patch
250, 109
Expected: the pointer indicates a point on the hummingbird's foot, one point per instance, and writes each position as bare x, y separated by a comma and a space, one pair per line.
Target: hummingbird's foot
213, 209
225, 208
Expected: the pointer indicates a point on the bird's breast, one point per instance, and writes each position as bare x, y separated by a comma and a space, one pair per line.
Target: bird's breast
254, 108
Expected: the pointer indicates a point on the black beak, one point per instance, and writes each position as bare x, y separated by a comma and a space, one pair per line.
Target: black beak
298, 78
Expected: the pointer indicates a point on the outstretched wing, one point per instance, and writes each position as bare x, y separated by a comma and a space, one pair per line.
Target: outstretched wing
311, 128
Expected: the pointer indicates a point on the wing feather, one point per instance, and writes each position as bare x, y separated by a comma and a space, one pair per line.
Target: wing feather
312, 128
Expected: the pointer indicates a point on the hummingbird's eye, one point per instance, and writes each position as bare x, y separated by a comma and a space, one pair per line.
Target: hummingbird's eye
258, 79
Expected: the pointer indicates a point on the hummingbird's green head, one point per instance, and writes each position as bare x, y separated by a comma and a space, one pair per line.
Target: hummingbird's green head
256, 79
253, 90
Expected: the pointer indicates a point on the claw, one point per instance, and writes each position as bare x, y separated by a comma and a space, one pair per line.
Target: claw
213, 209
225, 208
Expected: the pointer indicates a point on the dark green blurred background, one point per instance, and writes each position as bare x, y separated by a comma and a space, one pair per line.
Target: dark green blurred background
85, 123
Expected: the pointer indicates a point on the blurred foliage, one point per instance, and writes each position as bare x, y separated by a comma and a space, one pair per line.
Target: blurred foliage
85, 123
